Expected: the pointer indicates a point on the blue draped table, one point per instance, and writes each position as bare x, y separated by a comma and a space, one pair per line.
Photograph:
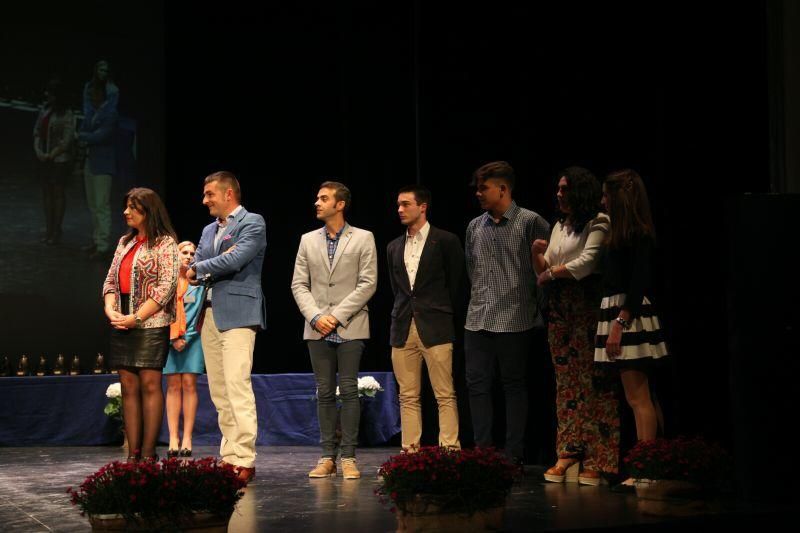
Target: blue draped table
68, 411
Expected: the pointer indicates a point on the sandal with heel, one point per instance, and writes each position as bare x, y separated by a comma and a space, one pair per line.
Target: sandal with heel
566, 473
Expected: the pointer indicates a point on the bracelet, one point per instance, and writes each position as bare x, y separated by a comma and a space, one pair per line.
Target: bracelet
550, 272
626, 324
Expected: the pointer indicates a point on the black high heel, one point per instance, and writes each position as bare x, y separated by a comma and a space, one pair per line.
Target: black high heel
185, 452
172, 454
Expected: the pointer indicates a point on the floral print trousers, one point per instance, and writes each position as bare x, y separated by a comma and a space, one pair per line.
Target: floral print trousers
587, 393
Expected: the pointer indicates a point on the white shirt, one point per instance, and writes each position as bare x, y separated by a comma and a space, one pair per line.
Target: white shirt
578, 252
413, 251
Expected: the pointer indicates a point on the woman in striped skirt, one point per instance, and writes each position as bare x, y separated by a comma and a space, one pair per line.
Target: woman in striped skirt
629, 335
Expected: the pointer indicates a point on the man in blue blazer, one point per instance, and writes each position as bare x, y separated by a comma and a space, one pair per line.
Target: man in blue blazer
100, 167
228, 260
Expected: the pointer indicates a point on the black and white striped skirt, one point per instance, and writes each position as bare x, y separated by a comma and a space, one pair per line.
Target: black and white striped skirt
644, 339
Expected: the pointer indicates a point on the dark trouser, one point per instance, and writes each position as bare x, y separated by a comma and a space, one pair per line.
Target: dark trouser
54, 176
326, 357
511, 352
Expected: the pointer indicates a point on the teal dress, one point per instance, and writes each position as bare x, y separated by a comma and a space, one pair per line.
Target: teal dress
190, 360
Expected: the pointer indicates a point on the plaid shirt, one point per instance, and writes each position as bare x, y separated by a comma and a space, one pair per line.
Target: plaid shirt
332, 245
503, 297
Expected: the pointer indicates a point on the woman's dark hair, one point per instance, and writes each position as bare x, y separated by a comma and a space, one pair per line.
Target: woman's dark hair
55, 88
628, 208
583, 197
156, 219
97, 87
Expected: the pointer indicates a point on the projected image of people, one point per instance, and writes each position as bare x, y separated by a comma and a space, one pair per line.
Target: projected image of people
53, 141
100, 98
71, 149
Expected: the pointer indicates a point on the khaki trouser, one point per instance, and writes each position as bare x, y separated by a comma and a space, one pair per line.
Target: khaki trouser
407, 365
98, 192
229, 361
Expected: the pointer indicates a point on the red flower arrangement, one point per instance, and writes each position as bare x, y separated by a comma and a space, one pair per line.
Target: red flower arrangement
687, 459
171, 490
451, 481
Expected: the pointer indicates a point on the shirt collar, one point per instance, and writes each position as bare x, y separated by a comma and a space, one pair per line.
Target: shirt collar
509, 214
512, 211
232, 215
338, 233
422, 234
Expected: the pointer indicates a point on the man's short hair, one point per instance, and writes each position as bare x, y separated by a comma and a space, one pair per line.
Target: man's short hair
496, 169
340, 192
421, 194
227, 181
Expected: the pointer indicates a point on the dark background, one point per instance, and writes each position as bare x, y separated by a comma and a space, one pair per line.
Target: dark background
283, 96
286, 94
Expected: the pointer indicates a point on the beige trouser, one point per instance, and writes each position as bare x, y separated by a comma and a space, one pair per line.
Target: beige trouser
229, 361
98, 193
407, 364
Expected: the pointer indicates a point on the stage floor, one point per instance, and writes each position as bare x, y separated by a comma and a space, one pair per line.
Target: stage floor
33, 483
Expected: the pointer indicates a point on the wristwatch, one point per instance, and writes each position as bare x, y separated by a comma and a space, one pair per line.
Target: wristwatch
138, 320
626, 324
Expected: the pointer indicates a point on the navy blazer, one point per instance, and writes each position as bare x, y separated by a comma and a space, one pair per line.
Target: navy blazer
235, 277
436, 301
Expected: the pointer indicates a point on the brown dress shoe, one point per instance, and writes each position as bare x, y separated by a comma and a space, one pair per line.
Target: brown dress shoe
246, 474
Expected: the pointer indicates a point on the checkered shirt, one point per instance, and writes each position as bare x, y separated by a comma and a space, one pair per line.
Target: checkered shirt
503, 296
332, 245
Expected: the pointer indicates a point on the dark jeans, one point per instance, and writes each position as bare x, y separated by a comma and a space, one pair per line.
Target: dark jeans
510, 353
326, 358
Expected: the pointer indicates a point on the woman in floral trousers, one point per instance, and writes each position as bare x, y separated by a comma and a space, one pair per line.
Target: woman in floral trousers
587, 442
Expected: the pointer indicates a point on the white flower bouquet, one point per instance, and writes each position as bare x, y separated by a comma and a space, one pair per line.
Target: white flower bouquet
113, 408
367, 386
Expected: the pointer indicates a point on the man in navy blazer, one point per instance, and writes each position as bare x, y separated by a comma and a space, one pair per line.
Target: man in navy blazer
426, 271
228, 260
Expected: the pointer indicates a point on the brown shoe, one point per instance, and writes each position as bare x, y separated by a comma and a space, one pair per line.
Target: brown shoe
246, 474
326, 467
560, 474
349, 468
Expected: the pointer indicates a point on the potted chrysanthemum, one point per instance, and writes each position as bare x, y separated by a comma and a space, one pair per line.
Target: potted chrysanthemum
169, 495
677, 476
441, 488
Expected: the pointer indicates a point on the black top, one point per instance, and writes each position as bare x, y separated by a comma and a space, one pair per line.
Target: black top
628, 270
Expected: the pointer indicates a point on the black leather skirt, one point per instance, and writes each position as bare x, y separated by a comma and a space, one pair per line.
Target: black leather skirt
139, 348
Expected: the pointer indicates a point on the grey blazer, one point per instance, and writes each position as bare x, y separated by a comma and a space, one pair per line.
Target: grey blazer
341, 290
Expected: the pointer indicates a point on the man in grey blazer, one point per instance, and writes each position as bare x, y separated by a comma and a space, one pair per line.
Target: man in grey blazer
335, 275
228, 259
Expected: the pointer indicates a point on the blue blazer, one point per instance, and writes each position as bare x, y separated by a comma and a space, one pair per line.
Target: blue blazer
235, 277
98, 133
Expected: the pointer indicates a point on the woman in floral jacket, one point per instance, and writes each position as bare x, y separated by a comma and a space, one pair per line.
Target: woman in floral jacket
139, 297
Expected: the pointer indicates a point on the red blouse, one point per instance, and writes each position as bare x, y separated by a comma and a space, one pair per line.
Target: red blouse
127, 264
